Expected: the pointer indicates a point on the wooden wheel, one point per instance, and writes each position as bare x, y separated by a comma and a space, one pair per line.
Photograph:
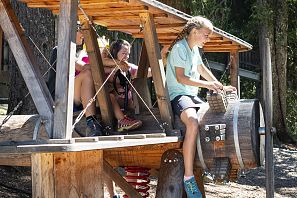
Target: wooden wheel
269, 130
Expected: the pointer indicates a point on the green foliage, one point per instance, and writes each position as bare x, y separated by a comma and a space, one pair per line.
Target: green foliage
213, 10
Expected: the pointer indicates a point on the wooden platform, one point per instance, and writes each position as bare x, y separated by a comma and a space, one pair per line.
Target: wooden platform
126, 16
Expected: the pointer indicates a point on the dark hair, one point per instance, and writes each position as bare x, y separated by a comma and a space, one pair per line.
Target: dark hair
116, 46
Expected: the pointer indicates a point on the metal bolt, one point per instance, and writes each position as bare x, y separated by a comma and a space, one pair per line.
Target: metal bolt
207, 139
206, 128
218, 138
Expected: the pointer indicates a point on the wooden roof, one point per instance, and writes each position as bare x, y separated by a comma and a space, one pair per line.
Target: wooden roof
123, 15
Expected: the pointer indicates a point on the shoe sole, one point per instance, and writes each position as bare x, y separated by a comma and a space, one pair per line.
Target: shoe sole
131, 127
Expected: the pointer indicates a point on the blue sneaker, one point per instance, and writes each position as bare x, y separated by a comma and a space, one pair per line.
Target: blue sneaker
192, 189
94, 128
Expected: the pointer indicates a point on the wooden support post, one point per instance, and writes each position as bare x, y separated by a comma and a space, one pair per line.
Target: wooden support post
120, 181
234, 68
27, 64
140, 82
1, 48
65, 69
98, 74
154, 55
71, 174
171, 175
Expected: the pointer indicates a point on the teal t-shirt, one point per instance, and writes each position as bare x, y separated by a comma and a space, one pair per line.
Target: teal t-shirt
182, 56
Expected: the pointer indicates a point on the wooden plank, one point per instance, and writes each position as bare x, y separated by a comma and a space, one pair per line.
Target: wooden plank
15, 159
140, 82
71, 174
159, 26
1, 47
43, 175
27, 64
111, 137
79, 173
155, 135
65, 69
119, 180
86, 139
136, 136
155, 59
234, 69
133, 156
98, 74
83, 146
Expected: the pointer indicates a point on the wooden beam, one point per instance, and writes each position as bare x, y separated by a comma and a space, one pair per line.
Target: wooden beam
234, 68
119, 180
140, 82
1, 48
43, 175
72, 174
123, 16
159, 26
27, 64
65, 69
171, 35
15, 159
155, 59
98, 74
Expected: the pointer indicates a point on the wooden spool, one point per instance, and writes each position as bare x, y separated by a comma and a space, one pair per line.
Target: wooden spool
242, 139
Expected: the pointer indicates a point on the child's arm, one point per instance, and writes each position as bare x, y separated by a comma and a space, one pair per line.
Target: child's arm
207, 74
183, 79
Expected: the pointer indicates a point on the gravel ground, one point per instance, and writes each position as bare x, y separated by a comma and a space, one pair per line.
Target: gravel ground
16, 181
253, 184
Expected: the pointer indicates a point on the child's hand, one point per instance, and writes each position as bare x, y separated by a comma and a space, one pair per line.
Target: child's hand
215, 86
229, 88
124, 65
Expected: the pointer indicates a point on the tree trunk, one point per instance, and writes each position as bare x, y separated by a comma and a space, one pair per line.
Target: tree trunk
279, 69
39, 25
277, 30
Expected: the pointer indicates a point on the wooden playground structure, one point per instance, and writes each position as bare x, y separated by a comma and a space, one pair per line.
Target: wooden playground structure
67, 166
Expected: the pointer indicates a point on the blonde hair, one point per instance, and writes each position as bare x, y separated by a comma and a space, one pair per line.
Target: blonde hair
197, 22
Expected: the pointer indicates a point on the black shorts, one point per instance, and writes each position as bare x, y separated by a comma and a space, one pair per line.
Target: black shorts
183, 102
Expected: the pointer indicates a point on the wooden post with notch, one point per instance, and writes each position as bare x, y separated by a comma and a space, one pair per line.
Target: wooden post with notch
27, 64
98, 74
155, 60
1, 47
140, 82
71, 174
65, 69
234, 69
